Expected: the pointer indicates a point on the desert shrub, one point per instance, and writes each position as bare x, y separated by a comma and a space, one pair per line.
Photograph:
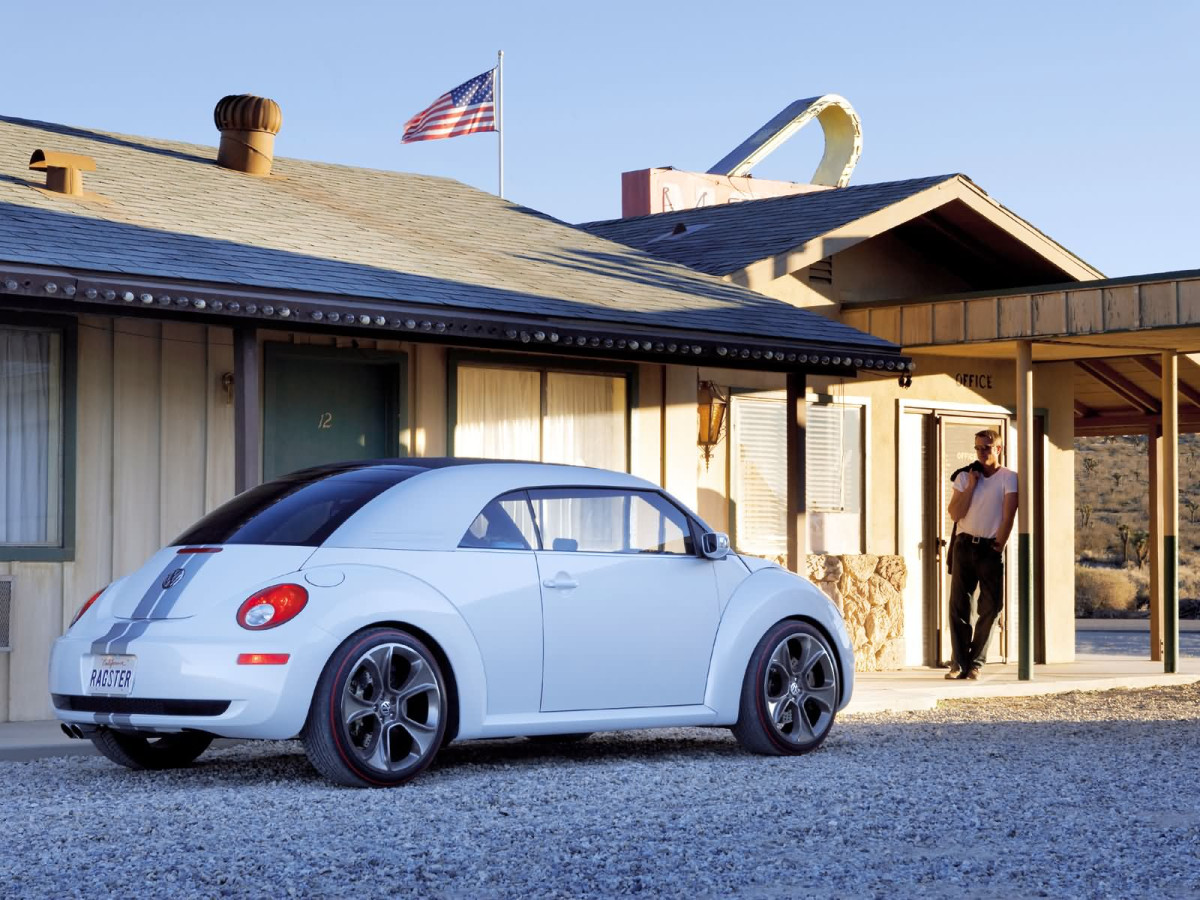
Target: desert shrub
1093, 543
1103, 593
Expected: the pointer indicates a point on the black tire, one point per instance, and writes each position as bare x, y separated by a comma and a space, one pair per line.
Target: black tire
151, 751
379, 711
790, 692
574, 738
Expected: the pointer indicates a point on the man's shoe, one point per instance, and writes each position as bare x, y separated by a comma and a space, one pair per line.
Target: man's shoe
972, 673
955, 672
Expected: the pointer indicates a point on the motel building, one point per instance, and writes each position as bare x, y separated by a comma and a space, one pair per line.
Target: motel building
802, 363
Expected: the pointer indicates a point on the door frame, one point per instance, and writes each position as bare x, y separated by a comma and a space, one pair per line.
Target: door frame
397, 416
936, 584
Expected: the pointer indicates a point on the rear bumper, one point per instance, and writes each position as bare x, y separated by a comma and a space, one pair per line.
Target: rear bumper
182, 681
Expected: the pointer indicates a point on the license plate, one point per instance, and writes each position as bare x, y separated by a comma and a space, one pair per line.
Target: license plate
111, 675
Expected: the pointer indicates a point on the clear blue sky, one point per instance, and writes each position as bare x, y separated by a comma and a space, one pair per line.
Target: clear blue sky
1079, 116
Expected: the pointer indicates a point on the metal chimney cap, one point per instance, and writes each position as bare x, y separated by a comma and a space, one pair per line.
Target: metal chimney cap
52, 159
246, 112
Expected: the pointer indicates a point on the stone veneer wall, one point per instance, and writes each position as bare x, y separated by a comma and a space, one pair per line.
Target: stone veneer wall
867, 589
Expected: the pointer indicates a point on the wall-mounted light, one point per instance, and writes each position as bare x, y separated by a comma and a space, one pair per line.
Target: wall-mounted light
712, 404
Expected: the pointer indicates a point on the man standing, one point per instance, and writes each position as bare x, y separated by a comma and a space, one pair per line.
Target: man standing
984, 505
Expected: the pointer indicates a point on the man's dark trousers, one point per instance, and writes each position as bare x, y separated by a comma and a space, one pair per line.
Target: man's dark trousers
976, 564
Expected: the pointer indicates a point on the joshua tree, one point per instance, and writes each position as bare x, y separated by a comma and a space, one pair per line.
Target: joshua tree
1116, 477
1090, 465
1193, 507
1141, 546
1124, 531
1085, 515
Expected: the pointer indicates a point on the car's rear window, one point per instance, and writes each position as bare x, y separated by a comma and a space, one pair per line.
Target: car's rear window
301, 509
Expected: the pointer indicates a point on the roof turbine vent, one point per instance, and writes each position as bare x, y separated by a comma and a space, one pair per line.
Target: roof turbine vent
64, 171
248, 125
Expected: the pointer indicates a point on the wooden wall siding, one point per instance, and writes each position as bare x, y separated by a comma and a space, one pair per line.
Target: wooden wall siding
915, 323
154, 452
982, 323
1121, 312
1116, 308
1159, 304
1015, 317
1188, 301
1084, 312
948, 324
137, 406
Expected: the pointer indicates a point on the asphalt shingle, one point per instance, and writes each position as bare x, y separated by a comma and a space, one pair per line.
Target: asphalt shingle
165, 210
719, 240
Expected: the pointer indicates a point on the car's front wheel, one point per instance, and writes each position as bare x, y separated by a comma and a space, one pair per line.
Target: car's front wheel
790, 691
379, 712
139, 751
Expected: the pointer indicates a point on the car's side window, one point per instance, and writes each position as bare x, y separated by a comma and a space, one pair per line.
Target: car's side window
506, 523
605, 520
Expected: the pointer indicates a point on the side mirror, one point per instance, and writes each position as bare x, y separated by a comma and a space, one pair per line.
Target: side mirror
714, 544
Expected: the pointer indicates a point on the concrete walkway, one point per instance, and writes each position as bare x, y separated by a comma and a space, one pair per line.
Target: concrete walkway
913, 689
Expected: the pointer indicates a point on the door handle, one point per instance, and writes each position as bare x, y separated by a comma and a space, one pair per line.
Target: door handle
561, 582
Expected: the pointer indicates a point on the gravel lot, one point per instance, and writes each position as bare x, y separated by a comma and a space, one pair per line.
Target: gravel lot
1071, 795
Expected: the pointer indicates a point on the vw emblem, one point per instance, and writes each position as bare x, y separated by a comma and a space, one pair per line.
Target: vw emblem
172, 579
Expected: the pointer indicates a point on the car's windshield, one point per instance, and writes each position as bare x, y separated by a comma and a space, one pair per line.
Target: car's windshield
301, 509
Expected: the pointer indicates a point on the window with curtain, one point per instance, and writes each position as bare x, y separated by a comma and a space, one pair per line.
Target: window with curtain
548, 416
758, 475
30, 437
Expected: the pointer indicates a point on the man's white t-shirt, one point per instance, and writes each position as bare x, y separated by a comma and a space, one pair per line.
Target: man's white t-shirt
986, 514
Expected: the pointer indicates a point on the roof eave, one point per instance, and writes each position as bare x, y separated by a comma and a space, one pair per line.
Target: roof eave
80, 292
757, 274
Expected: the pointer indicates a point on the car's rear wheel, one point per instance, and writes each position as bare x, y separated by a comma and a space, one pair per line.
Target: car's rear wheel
150, 751
379, 712
790, 691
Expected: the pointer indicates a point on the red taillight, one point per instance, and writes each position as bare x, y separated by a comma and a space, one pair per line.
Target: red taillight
263, 659
84, 608
272, 606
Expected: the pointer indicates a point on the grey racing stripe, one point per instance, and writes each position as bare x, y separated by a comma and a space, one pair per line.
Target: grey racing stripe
156, 592
100, 645
167, 600
134, 631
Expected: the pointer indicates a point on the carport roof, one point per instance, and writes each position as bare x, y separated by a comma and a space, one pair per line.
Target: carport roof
163, 210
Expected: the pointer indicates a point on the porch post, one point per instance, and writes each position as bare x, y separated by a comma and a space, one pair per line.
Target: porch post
1170, 510
797, 520
1025, 592
247, 416
1154, 459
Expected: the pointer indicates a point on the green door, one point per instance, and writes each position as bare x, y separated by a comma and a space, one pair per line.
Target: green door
323, 405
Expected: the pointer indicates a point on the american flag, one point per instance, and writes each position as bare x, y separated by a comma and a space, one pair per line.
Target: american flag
469, 107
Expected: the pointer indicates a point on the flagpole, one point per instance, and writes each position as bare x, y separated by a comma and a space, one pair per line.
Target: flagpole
500, 113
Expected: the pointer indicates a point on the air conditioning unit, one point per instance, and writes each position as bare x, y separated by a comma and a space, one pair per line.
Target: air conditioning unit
6, 604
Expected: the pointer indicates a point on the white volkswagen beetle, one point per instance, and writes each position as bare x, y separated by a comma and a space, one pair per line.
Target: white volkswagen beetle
381, 609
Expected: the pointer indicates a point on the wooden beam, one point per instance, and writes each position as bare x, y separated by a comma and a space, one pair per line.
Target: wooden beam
1169, 491
247, 413
1132, 423
797, 519
1186, 391
1025, 523
1120, 385
1082, 409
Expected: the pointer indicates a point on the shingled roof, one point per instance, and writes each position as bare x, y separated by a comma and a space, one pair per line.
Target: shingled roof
164, 210
776, 235
723, 239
